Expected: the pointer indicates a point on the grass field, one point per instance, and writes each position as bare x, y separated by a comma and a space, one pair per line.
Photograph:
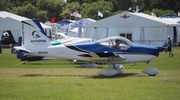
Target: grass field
61, 80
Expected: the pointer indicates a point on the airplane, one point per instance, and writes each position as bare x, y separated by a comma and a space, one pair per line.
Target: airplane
60, 38
35, 43
70, 39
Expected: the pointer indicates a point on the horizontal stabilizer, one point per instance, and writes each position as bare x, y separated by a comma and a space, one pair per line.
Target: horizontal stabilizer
22, 49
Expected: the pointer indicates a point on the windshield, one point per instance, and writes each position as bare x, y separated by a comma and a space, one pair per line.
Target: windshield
116, 42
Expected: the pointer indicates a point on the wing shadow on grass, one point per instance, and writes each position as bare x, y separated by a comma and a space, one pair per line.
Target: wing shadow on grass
41, 75
115, 76
31, 75
85, 76
55, 62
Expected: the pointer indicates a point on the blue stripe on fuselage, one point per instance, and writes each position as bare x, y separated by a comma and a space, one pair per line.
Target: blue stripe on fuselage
144, 49
134, 49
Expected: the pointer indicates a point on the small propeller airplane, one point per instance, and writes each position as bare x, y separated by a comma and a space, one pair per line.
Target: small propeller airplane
36, 43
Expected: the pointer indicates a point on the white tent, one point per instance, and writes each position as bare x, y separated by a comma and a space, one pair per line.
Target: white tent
12, 22
86, 21
138, 27
74, 32
176, 29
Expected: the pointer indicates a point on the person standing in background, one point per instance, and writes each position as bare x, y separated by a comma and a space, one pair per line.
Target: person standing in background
169, 47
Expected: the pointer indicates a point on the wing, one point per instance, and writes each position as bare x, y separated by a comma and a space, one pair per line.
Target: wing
100, 56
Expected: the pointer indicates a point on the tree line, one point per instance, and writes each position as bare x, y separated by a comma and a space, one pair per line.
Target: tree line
44, 10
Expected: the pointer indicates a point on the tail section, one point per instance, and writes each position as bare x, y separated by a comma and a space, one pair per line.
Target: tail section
33, 35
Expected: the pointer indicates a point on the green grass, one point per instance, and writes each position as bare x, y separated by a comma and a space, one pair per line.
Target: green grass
61, 80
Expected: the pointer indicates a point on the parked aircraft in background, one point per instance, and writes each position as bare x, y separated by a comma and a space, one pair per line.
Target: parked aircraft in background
35, 43
59, 36
69, 39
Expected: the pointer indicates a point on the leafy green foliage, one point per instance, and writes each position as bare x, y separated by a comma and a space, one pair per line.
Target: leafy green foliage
52, 7
91, 10
74, 7
159, 12
42, 16
27, 11
87, 8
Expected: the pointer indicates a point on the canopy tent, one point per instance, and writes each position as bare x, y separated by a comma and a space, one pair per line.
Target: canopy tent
71, 29
176, 29
74, 32
85, 21
170, 16
12, 22
138, 27
64, 25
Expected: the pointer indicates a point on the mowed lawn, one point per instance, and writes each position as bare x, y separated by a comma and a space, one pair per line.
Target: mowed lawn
62, 80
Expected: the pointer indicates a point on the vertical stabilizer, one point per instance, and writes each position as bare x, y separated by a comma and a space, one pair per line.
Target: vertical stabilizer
33, 35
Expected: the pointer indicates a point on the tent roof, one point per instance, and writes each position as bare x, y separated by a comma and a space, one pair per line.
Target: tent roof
86, 21
75, 30
4, 14
175, 20
7, 16
170, 16
128, 19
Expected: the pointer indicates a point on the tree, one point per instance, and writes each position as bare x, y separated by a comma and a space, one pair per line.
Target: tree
5, 6
82, 1
28, 11
53, 8
91, 10
87, 8
74, 7
159, 12
42, 16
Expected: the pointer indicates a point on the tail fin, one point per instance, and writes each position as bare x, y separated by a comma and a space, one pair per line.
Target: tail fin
33, 34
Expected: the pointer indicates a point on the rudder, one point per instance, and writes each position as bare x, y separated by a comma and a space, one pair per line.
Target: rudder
33, 35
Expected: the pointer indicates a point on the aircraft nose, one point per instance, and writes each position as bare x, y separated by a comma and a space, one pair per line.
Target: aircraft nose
161, 49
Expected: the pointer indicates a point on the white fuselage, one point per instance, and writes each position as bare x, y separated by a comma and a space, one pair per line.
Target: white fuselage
62, 52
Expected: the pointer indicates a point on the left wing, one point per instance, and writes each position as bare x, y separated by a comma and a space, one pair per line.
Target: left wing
103, 56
